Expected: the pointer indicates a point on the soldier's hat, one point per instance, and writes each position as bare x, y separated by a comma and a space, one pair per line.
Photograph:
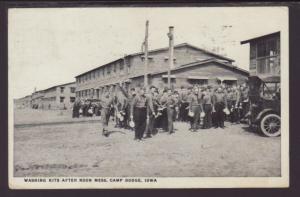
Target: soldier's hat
152, 86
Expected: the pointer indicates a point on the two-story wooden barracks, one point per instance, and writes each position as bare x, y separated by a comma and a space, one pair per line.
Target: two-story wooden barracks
264, 55
192, 65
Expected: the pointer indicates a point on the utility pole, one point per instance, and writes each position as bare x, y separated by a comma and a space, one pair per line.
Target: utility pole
146, 56
171, 54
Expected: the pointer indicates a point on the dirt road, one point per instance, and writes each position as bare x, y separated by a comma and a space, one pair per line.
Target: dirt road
80, 150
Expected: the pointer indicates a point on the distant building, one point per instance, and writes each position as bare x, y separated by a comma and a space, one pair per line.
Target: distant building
36, 99
265, 55
192, 65
56, 97
24, 102
60, 96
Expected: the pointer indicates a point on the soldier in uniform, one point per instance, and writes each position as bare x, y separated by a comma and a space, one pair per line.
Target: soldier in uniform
76, 107
106, 102
131, 96
163, 104
139, 113
235, 102
207, 108
194, 106
220, 103
151, 129
244, 100
171, 102
183, 104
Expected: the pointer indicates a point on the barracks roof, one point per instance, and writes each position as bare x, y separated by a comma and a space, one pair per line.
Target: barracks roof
162, 49
261, 37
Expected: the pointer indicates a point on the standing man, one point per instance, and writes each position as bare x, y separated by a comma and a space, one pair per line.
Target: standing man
171, 102
164, 117
131, 96
106, 101
220, 103
153, 98
207, 108
194, 107
235, 101
245, 100
183, 104
139, 113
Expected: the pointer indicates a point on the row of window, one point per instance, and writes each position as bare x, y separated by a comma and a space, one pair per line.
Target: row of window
72, 89
87, 93
62, 99
50, 98
111, 70
104, 72
265, 56
265, 48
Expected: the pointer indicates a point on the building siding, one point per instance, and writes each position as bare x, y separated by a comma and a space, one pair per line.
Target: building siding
210, 70
134, 67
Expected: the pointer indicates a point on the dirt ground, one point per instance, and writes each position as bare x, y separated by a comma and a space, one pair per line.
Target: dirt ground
79, 149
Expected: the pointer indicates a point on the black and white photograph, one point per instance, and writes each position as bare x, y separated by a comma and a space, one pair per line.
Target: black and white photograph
148, 97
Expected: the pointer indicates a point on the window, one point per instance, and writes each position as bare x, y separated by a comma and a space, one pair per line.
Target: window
128, 67
197, 81
72, 89
108, 70
62, 89
122, 68
92, 92
267, 48
253, 51
62, 99
261, 49
271, 47
267, 60
72, 99
252, 64
269, 90
98, 93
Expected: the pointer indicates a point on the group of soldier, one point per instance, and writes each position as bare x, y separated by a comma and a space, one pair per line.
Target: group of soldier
146, 110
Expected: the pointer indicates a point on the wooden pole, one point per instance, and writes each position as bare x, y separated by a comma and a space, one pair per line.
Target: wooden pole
146, 55
171, 54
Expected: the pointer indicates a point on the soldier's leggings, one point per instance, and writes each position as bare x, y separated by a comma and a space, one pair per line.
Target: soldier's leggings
207, 121
220, 116
196, 118
170, 112
105, 114
139, 117
183, 112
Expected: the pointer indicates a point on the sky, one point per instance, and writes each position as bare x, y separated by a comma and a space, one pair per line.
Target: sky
50, 46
